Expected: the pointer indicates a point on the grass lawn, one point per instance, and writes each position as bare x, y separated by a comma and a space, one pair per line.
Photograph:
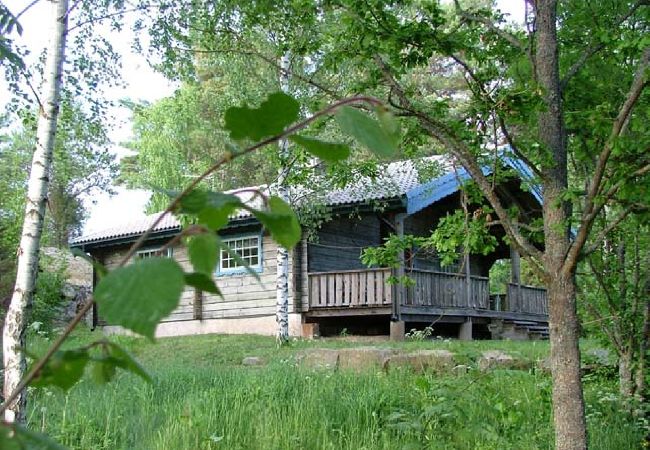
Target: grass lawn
203, 398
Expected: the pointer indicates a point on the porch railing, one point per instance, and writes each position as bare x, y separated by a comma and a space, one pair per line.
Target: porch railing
526, 299
441, 289
350, 288
368, 288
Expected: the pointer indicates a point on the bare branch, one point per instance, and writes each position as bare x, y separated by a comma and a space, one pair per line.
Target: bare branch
596, 47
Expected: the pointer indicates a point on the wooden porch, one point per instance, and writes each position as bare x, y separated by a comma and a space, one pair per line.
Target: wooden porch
433, 293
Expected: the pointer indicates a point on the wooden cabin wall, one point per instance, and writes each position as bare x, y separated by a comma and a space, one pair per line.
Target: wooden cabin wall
340, 242
243, 295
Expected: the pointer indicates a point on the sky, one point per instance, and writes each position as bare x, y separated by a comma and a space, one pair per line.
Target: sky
142, 83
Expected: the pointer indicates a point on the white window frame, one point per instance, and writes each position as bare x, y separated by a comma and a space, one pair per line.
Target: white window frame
221, 270
150, 252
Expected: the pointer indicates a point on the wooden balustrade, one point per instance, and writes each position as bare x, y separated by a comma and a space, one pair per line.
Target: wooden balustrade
526, 299
349, 288
441, 289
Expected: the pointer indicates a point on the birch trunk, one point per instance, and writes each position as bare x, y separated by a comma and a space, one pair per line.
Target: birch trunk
13, 337
282, 279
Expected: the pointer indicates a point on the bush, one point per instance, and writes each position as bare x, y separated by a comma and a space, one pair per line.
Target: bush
48, 301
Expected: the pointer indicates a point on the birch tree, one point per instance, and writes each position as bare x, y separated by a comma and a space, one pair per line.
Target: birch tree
282, 258
16, 317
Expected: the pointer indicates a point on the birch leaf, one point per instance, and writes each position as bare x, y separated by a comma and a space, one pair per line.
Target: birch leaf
271, 118
202, 282
15, 437
281, 221
63, 369
138, 296
326, 151
124, 360
369, 132
203, 252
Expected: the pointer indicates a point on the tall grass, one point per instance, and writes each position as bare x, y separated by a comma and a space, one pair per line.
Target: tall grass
204, 399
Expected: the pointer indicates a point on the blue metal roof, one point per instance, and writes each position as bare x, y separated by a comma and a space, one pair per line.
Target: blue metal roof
428, 193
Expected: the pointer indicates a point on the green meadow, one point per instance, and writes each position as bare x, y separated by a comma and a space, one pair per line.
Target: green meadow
203, 397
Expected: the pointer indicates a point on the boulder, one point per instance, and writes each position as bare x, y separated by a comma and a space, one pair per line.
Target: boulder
363, 358
319, 358
496, 359
252, 361
422, 361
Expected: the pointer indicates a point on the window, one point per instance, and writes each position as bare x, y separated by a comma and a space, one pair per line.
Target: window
249, 249
151, 252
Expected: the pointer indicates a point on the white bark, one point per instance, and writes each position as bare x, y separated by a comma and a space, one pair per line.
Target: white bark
16, 319
282, 280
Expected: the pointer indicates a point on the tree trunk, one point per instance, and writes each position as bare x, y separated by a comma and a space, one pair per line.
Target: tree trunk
282, 278
16, 318
568, 402
625, 373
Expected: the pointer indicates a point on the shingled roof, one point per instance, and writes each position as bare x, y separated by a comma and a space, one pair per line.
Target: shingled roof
405, 180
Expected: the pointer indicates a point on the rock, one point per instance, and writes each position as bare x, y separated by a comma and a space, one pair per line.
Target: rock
422, 361
252, 361
77, 271
496, 359
363, 358
319, 358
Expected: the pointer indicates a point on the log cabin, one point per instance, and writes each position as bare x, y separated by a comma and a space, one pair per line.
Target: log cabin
330, 290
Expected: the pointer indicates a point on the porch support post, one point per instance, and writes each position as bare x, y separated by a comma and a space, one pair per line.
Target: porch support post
468, 282
397, 330
515, 274
398, 290
465, 332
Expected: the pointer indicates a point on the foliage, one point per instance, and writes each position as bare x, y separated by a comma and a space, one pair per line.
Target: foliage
614, 293
48, 299
82, 167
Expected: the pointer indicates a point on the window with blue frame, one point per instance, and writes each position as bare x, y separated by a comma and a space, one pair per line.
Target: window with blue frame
249, 250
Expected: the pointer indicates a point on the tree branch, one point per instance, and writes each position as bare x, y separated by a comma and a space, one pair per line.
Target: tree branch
509, 37
592, 209
460, 151
605, 231
596, 47
270, 61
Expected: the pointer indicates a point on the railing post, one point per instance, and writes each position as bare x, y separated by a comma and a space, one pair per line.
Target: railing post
399, 289
468, 282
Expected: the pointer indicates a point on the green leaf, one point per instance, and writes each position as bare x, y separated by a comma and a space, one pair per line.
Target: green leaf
326, 151
202, 282
219, 207
139, 295
15, 437
63, 369
273, 115
103, 370
369, 132
281, 221
193, 202
388, 122
124, 360
203, 252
